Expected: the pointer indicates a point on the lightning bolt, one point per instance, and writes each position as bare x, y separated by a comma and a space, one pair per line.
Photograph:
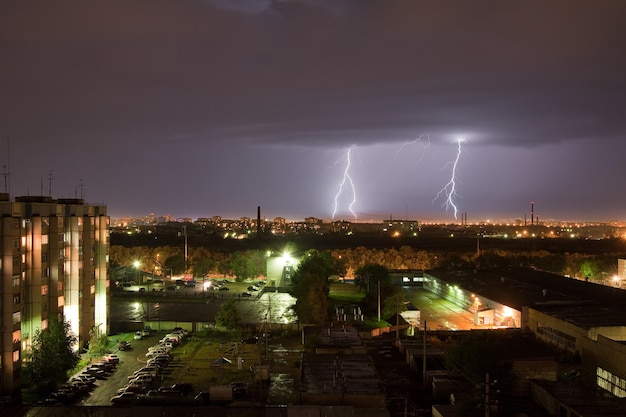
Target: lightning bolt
423, 140
346, 182
449, 190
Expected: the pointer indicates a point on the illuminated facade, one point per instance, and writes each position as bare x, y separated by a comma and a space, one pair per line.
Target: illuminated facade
280, 269
54, 261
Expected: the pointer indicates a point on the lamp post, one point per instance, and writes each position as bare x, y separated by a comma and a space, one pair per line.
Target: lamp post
137, 264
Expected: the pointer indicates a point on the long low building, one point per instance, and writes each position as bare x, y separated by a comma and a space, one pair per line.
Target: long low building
587, 320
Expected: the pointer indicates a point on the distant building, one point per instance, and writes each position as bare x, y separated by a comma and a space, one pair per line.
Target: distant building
54, 261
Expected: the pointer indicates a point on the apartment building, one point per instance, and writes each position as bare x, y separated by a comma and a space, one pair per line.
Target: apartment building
54, 258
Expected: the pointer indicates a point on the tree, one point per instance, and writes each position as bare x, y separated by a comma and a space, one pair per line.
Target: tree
248, 264
202, 267
176, 263
98, 344
368, 278
52, 354
310, 286
227, 316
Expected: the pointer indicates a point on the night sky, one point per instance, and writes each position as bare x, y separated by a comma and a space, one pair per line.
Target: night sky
215, 107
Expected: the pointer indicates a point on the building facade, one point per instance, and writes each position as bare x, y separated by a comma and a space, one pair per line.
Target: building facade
54, 259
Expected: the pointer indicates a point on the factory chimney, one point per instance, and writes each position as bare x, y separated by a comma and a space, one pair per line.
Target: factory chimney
258, 221
532, 212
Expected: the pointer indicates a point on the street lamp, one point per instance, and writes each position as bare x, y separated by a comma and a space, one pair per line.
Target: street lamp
137, 264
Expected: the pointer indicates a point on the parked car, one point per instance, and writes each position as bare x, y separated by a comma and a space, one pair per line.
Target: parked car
183, 388
138, 336
141, 377
246, 294
123, 345
250, 340
133, 388
112, 358
124, 398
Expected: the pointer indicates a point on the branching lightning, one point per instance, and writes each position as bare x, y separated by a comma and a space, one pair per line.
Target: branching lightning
346, 182
449, 190
423, 141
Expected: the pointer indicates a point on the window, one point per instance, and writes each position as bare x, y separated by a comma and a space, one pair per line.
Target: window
611, 383
16, 299
17, 336
44, 239
44, 256
44, 290
16, 280
16, 317
16, 356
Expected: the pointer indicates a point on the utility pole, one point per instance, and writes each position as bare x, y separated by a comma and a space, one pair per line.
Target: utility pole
397, 318
378, 299
185, 235
424, 355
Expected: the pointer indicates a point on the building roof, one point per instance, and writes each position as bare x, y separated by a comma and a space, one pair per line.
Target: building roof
586, 304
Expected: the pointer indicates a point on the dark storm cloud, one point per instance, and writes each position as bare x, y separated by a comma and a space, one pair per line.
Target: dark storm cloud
215, 84
310, 73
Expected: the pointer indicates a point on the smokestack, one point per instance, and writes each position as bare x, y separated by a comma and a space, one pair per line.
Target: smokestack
258, 220
532, 212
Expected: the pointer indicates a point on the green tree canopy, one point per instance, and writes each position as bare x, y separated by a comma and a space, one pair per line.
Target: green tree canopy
228, 316
368, 278
248, 264
52, 354
311, 286
176, 263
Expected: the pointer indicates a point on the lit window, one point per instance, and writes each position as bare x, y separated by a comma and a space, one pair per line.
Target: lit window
44, 290
16, 317
16, 356
44, 239
17, 336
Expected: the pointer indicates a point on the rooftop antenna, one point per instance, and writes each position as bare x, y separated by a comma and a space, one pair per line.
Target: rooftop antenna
7, 171
82, 189
50, 184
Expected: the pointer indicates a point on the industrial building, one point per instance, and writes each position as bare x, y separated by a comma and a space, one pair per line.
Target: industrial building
585, 319
54, 263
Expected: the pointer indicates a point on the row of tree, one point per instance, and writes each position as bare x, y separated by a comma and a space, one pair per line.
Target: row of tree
252, 263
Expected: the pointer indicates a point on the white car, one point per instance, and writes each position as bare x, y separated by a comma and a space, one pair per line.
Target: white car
165, 347
140, 378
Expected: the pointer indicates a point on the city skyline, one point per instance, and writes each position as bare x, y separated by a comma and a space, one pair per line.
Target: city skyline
203, 108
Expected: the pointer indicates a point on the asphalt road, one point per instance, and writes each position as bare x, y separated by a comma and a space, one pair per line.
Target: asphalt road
272, 307
438, 313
